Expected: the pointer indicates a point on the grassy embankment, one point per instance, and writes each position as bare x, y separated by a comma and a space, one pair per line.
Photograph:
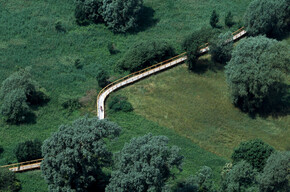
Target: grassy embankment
28, 38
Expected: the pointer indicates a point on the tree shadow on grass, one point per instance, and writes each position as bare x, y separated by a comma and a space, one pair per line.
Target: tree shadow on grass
146, 20
204, 65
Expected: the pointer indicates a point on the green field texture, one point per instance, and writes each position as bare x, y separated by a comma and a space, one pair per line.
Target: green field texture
197, 106
28, 38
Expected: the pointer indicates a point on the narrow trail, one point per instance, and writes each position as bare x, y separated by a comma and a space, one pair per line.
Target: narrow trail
129, 79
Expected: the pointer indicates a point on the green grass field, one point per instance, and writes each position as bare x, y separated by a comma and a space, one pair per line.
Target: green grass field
198, 107
28, 38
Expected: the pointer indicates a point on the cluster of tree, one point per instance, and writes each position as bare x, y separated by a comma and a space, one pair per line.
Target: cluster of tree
145, 54
119, 15
18, 93
257, 167
76, 156
256, 72
268, 17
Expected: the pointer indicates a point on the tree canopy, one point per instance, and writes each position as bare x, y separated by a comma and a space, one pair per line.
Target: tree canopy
255, 152
75, 155
221, 48
28, 150
258, 65
87, 11
145, 54
241, 177
121, 15
268, 17
8, 181
144, 164
275, 176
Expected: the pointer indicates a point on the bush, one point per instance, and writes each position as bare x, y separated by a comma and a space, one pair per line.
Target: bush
78, 64
268, 17
214, 19
102, 77
28, 150
255, 152
119, 103
1, 149
221, 48
88, 11
257, 66
121, 15
192, 43
229, 19
14, 107
112, 48
59, 27
145, 54
8, 181
69, 103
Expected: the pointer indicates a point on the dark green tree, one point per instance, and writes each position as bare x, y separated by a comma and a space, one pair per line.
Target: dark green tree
28, 150
229, 20
255, 152
242, 177
275, 176
120, 103
214, 19
221, 48
144, 164
121, 15
8, 181
14, 108
75, 155
201, 182
192, 43
268, 17
145, 54
257, 65
19, 80
88, 11
102, 77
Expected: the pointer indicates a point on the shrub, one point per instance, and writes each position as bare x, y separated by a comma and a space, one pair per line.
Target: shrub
1, 149
221, 48
214, 19
28, 150
69, 103
192, 43
229, 19
145, 54
88, 11
78, 64
121, 15
102, 77
59, 27
112, 48
14, 107
74, 157
8, 181
268, 17
119, 103
257, 66
255, 152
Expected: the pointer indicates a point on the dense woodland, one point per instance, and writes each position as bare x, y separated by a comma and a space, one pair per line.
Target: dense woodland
47, 102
